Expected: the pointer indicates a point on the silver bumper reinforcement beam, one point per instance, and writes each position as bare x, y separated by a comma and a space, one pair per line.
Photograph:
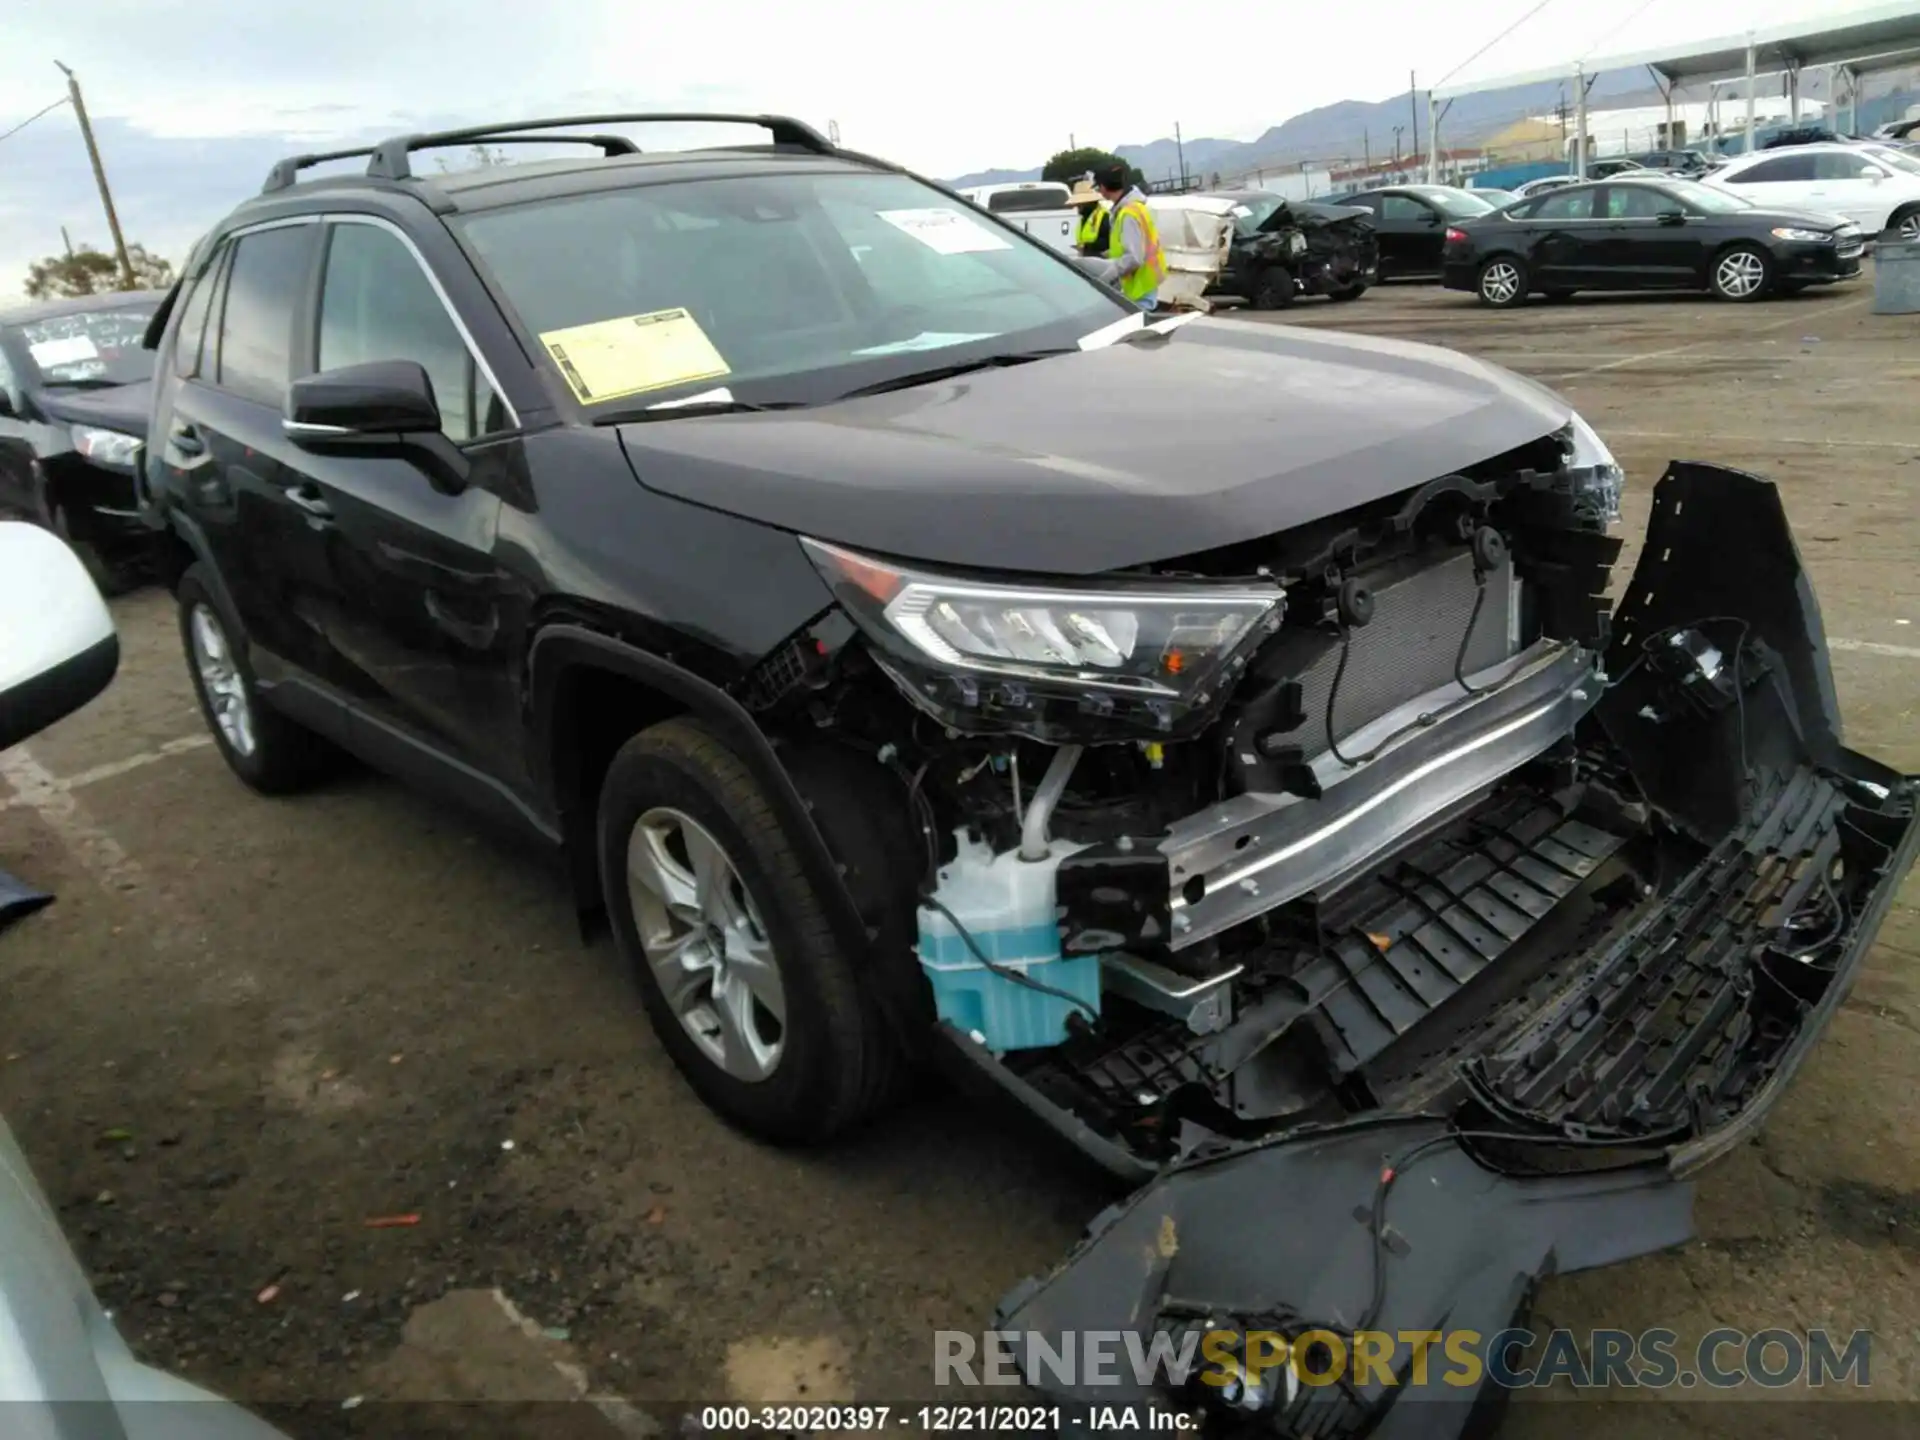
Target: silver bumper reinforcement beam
1242, 857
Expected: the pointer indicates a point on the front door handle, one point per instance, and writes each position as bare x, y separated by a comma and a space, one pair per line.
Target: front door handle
309, 499
186, 439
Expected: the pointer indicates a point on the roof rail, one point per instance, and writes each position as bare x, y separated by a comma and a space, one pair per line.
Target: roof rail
286, 172
388, 160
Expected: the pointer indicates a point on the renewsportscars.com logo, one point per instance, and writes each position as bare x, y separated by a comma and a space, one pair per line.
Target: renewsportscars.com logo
1457, 1359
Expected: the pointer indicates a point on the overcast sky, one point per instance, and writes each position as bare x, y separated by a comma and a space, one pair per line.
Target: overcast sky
192, 100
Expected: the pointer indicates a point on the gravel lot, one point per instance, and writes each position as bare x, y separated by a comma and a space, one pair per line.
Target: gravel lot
307, 1014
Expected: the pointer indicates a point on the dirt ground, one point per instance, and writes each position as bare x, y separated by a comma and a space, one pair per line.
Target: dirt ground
249, 1027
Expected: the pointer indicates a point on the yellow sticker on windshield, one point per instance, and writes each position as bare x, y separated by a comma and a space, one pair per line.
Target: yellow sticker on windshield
612, 358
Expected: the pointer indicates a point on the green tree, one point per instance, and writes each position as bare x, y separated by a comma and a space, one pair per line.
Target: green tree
87, 271
1070, 165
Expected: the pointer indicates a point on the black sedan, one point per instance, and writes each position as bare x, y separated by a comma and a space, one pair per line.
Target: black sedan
1410, 224
1646, 235
75, 387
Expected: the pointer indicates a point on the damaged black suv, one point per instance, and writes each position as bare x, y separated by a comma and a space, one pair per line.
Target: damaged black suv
1213, 732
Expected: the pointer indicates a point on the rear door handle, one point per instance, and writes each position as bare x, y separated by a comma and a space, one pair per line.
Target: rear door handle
309, 499
186, 439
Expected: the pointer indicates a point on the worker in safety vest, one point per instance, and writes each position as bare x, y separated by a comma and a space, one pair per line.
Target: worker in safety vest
1092, 237
1133, 261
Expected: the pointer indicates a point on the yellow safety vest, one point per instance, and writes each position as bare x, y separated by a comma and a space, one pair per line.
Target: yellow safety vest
1090, 227
1144, 281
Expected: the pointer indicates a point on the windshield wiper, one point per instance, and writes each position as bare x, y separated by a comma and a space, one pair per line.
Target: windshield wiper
947, 372
693, 407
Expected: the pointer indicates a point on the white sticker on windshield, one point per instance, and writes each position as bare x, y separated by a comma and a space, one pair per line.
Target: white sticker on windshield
70, 351
944, 230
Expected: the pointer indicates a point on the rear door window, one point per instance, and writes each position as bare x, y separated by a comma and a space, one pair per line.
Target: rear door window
1637, 202
1768, 172
1574, 204
266, 285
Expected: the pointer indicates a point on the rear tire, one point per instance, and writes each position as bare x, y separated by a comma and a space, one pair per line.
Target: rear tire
1502, 282
1904, 223
269, 752
742, 977
1274, 289
1741, 274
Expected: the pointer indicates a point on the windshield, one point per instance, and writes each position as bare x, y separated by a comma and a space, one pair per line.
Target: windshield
93, 348
809, 284
1706, 198
1251, 213
1899, 159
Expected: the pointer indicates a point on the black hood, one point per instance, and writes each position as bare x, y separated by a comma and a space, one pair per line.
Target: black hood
123, 407
1222, 431
1807, 219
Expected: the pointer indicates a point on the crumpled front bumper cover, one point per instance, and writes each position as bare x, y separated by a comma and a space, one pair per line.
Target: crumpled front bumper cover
1664, 1044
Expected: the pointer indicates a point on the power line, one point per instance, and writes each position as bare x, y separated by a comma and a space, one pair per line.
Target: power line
1644, 6
1489, 45
35, 116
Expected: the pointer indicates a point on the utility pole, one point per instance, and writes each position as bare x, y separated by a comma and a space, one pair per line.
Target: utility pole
66, 240
1366, 148
1181, 150
127, 281
1413, 109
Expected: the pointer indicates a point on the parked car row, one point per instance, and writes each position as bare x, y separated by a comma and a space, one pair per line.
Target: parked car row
1631, 234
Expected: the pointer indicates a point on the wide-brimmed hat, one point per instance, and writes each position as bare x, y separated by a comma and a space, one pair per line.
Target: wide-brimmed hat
1085, 194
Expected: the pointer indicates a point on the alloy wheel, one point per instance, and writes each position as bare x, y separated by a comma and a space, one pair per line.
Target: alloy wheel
1909, 226
220, 678
706, 944
1740, 274
1500, 282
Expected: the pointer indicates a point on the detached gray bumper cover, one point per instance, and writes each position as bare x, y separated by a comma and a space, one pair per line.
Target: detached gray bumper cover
1668, 1038
1281, 1238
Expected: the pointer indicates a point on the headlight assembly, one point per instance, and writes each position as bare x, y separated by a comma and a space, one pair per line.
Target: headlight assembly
1805, 237
1144, 656
107, 447
1597, 477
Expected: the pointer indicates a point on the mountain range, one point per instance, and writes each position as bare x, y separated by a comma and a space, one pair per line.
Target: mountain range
1339, 130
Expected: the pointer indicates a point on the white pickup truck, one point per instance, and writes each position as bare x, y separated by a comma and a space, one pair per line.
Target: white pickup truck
1042, 208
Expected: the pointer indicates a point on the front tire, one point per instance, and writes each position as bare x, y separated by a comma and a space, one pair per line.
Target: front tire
741, 974
1274, 290
268, 751
1502, 282
1904, 224
1352, 292
1741, 275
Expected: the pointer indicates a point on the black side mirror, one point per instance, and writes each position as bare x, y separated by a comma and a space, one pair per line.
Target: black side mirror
380, 398
1672, 217
384, 407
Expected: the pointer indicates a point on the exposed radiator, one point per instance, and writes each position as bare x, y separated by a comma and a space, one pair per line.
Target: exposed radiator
1409, 647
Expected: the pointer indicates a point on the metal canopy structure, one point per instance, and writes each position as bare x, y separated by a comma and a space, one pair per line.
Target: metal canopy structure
1850, 44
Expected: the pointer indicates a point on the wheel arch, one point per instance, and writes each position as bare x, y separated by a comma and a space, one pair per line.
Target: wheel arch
590, 692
